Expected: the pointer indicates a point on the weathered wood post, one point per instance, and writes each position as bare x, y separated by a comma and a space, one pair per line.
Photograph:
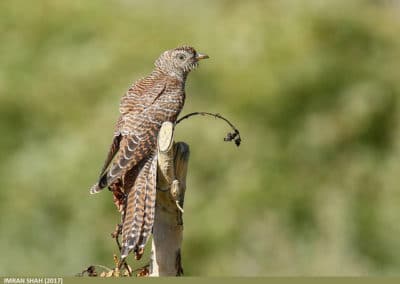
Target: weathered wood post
171, 185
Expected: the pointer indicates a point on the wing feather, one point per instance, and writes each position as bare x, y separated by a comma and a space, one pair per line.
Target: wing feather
134, 136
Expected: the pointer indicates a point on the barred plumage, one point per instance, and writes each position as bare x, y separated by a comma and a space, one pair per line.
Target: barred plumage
131, 164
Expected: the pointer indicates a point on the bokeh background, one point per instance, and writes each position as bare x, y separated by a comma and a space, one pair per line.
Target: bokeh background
312, 85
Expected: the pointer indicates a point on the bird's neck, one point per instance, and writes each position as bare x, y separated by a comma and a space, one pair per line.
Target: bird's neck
180, 76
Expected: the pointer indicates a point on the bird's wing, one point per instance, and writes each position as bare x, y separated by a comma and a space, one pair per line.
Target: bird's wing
135, 134
140, 208
111, 153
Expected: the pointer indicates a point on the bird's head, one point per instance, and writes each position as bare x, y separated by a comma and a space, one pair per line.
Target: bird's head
179, 61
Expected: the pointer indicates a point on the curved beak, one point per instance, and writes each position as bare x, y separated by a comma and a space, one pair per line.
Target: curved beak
201, 56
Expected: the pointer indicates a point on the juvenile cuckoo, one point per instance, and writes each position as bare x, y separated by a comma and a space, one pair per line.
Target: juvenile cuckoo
130, 169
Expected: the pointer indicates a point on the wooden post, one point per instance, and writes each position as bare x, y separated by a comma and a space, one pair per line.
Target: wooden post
171, 185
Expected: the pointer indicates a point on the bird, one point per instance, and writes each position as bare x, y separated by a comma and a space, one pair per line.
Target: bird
130, 168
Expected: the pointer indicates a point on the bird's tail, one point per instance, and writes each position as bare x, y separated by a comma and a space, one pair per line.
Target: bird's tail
139, 213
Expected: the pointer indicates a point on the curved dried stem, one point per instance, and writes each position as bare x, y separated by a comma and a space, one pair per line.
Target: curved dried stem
235, 135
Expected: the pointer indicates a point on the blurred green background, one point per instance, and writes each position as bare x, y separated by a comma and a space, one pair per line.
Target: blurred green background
312, 85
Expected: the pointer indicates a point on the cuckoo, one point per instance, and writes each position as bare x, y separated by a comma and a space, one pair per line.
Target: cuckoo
130, 169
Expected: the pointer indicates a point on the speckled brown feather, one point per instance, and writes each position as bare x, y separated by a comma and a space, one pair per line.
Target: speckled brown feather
139, 216
130, 169
150, 206
143, 109
134, 213
111, 153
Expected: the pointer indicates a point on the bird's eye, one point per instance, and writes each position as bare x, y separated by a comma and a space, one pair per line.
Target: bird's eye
181, 56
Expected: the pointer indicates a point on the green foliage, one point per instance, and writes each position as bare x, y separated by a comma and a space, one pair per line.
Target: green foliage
312, 85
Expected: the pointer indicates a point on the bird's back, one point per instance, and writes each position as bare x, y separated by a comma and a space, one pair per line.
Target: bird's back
151, 101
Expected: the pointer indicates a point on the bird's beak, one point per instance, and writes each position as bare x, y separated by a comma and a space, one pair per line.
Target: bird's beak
201, 56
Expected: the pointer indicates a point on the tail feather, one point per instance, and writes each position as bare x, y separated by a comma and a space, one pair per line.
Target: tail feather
150, 205
137, 204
